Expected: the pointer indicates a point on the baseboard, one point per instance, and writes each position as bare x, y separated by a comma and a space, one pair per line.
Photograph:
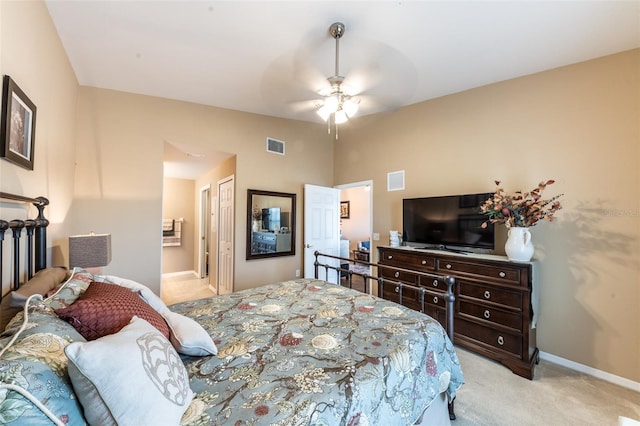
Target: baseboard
608, 377
177, 274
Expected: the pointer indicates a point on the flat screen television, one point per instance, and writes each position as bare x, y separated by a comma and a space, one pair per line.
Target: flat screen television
447, 222
271, 219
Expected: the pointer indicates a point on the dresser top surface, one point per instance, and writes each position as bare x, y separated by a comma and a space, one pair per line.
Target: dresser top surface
464, 255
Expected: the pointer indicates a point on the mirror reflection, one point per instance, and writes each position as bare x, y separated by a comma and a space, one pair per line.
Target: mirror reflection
270, 224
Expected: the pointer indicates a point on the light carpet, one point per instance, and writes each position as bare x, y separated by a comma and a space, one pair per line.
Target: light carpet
493, 395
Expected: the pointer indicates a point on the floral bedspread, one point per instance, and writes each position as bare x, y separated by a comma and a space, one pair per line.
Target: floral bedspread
307, 352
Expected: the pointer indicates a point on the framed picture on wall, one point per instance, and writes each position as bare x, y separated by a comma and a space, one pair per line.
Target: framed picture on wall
18, 126
344, 209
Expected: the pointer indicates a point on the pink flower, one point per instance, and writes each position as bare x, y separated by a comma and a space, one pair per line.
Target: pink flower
290, 339
261, 410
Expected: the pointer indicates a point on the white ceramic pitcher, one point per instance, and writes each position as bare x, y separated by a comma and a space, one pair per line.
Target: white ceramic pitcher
518, 246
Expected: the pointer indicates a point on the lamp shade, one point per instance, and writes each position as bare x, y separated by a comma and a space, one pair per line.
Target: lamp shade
89, 251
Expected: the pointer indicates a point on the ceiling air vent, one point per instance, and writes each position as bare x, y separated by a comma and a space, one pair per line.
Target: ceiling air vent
395, 181
275, 146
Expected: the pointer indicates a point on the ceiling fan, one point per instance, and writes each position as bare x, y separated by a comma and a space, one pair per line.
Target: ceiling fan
337, 106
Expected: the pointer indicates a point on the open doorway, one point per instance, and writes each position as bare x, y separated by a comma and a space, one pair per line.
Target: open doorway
356, 224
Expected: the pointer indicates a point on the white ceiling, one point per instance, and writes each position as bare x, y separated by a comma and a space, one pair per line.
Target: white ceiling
273, 58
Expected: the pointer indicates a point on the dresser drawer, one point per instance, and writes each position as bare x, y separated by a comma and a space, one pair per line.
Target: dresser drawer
406, 277
416, 261
493, 315
487, 293
504, 273
410, 297
497, 339
433, 284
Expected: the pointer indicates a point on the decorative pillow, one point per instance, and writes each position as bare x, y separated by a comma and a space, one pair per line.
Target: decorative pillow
41, 283
35, 388
188, 337
144, 291
69, 292
131, 377
105, 308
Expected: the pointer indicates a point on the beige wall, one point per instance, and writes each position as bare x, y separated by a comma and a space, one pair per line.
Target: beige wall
179, 201
31, 53
120, 142
579, 125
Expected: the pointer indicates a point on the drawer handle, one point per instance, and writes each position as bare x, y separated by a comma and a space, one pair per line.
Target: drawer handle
486, 314
390, 257
448, 266
397, 274
397, 289
487, 295
435, 283
500, 340
424, 262
502, 274
435, 299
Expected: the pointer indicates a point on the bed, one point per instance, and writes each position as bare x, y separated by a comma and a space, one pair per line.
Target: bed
300, 352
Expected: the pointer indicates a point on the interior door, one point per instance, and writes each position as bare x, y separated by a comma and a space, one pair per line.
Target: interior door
321, 229
225, 235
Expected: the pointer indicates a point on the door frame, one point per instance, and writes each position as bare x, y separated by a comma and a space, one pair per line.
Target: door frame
364, 183
203, 237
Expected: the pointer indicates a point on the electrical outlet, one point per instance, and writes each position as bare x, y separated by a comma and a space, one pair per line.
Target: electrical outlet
297, 273
376, 236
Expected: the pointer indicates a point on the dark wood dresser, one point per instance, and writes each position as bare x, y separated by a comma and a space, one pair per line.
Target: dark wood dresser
494, 313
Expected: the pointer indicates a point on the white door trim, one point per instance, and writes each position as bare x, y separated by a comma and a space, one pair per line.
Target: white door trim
203, 233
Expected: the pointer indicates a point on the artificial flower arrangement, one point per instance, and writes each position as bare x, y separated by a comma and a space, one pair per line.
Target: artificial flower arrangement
520, 209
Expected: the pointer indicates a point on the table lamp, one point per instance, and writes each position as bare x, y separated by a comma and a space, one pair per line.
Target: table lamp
89, 251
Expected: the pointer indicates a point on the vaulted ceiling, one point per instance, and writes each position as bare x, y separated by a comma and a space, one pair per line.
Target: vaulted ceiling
274, 57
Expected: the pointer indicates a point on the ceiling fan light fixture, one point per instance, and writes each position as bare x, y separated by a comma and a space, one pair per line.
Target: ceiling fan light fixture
324, 112
340, 116
331, 103
350, 107
338, 104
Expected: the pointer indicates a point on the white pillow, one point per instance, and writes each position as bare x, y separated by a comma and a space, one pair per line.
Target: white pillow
131, 377
187, 336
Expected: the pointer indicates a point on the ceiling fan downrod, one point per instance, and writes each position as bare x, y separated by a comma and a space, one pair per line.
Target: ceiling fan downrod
337, 31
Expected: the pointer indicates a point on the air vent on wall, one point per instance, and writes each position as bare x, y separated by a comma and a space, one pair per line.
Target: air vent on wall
275, 146
395, 181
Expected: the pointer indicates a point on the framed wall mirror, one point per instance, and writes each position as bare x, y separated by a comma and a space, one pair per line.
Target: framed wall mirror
271, 224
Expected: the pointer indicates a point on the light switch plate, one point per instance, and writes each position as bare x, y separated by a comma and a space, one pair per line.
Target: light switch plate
376, 236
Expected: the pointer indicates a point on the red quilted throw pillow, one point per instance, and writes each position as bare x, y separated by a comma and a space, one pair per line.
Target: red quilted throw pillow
106, 308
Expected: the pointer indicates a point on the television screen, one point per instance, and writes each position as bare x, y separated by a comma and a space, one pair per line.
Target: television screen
453, 220
271, 219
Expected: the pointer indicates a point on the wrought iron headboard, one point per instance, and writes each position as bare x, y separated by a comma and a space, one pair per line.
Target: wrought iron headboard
36, 239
